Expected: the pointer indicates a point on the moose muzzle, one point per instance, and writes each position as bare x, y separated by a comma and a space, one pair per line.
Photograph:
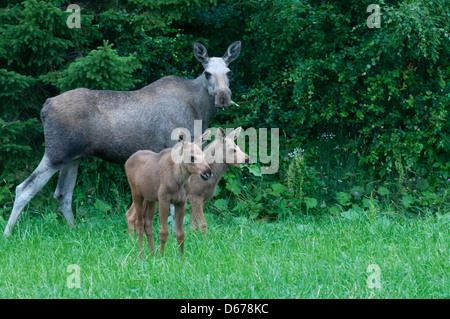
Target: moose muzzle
222, 97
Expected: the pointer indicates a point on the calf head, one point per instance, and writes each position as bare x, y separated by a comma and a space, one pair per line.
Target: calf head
192, 156
225, 150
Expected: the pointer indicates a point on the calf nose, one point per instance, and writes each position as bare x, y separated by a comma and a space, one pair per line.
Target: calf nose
206, 174
248, 161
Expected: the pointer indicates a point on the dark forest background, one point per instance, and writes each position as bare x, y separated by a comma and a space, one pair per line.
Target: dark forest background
363, 112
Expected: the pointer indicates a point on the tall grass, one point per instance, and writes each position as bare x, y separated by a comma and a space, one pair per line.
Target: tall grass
314, 257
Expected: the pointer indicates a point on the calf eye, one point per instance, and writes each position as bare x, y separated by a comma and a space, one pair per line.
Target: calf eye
192, 159
229, 73
207, 75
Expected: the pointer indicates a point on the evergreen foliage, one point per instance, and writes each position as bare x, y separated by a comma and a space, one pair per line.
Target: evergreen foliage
374, 99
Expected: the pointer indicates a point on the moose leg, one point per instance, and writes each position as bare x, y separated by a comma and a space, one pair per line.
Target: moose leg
131, 219
64, 190
180, 210
198, 220
149, 212
194, 213
139, 210
164, 232
28, 188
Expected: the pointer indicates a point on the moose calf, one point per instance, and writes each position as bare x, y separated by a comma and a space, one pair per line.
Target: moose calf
157, 177
220, 154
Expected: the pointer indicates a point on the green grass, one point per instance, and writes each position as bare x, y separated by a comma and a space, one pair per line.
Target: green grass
317, 257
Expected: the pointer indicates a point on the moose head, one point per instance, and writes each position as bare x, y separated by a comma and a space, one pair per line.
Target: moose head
217, 74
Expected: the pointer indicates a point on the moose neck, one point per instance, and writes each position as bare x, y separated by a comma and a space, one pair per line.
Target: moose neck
204, 102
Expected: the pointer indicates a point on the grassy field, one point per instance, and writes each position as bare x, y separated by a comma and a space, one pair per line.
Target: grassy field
315, 257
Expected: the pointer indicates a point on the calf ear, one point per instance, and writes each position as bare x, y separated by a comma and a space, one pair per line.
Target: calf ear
232, 53
220, 135
182, 137
234, 135
205, 136
201, 53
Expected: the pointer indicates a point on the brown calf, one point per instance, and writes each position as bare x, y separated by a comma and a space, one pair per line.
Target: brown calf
216, 155
220, 154
157, 177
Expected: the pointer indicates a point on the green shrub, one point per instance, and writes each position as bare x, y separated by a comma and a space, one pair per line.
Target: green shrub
320, 69
102, 69
368, 106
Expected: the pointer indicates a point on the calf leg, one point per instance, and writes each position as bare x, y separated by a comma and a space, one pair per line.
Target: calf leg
131, 219
180, 210
64, 190
149, 212
28, 188
138, 202
198, 220
164, 214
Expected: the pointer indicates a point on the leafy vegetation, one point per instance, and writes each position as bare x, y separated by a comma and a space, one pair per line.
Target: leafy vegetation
363, 113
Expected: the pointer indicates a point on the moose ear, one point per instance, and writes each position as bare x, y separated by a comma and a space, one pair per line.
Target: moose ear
200, 53
232, 53
234, 135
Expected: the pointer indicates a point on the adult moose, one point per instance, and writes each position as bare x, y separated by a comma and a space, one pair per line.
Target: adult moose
112, 125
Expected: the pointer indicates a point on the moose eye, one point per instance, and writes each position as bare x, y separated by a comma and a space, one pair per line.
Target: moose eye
229, 73
192, 159
207, 75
